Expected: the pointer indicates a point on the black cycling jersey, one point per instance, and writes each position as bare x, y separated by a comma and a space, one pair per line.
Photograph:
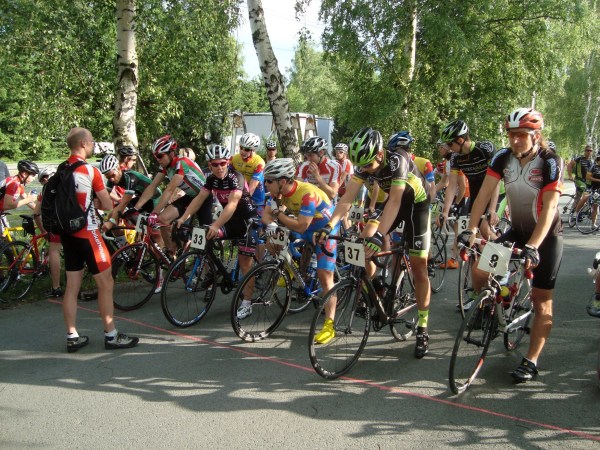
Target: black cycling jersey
582, 165
594, 172
474, 164
222, 188
134, 183
526, 185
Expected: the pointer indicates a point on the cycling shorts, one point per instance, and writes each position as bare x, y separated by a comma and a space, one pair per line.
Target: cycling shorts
246, 238
580, 186
204, 214
89, 250
544, 275
417, 227
323, 261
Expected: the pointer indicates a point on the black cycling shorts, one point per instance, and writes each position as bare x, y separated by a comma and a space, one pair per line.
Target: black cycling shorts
417, 229
238, 230
204, 214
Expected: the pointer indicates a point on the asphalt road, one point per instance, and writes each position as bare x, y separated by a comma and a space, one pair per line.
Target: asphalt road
203, 388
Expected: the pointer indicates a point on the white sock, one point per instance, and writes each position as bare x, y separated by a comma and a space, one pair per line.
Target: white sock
72, 335
246, 302
111, 334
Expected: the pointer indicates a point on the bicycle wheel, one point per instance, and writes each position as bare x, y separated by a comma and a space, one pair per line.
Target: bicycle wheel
465, 287
270, 287
22, 270
8, 253
584, 221
437, 256
404, 309
88, 290
189, 289
352, 324
135, 270
566, 207
521, 308
472, 342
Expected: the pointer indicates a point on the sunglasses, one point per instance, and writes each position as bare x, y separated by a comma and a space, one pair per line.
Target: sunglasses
270, 181
271, 149
218, 164
246, 149
520, 134
160, 155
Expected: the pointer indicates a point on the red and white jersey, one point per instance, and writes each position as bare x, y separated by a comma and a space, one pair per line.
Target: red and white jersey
13, 188
88, 180
347, 169
328, 169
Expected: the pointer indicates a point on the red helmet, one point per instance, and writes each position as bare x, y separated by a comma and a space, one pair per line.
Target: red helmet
164, 144
524, 118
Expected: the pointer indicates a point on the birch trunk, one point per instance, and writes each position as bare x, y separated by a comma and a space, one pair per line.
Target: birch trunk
124, 129
273, 80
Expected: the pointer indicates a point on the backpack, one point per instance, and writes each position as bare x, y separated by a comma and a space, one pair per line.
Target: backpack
61, 212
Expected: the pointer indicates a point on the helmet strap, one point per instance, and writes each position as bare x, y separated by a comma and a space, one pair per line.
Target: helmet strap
527, 153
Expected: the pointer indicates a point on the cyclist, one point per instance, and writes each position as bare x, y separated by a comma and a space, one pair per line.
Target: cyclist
251, 165
318, 169
271, 146
127, 157
12, 189
346, 168
231, 190
183, 174
133, 184
593, 308
581, 165
533, 177
592, 177
407, 201
312, 210
53, 239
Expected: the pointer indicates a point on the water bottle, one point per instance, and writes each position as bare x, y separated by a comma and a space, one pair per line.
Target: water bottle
34, 192
313, 261
505, 294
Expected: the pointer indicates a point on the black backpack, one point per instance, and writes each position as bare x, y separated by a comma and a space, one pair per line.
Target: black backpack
61, 212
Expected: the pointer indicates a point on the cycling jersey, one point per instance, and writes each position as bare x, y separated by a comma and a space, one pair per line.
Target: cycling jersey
424, 166
306, 199
252, 169
193, 178
594, 172
11, 187
526, 185
346, 171
222, 188
370, 185
133, 183
474, 164
329, 170
582, 165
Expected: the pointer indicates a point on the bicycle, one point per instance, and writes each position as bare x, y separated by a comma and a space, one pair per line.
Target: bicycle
495, 311
568, 204
21, 263
362, 305
9, 233
191, 283
586, 217
275, 284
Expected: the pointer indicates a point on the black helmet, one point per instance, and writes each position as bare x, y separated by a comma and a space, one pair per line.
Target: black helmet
28, 166
127, 150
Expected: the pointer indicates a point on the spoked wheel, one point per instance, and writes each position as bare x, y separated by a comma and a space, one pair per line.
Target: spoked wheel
189, 289
472, 342
465, 287
135, 271
521, 309
352, 324
22, 270
584, 222
566, 208
404, 309
268, 286
436, 260
8, 254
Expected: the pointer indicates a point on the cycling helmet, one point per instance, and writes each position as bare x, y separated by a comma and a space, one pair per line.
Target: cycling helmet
250, 141
552, 146
127, 150
524, 118
216, 151
187, 153
341, 147
28, 166
271, 144
364, 146
47, 172
313, 145
108, 163
164, 144
401, 139
453, 130
439, 143
280, 168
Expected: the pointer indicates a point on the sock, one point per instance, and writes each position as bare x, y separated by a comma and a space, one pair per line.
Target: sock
73, 336
423, 316
111, 334
246, 302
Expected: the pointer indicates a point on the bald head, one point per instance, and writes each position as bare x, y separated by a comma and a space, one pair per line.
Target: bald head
77, 136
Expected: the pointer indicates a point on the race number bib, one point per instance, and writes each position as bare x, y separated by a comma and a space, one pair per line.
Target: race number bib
281, 237
198, 238
495, 258
356, 214
354, 253
462, 223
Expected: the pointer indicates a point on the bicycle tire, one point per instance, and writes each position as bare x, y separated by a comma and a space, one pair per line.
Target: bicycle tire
88, 290
566, 209
520, 305
23, 270
189, 289
7, 257
584, 220
436, 260
472, 342
270, 301
135, 271
404, 309
465, 287
352, 325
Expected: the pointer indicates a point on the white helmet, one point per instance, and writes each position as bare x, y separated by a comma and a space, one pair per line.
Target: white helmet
250, 141
216, 151
280, 168
108, 163
47, 172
